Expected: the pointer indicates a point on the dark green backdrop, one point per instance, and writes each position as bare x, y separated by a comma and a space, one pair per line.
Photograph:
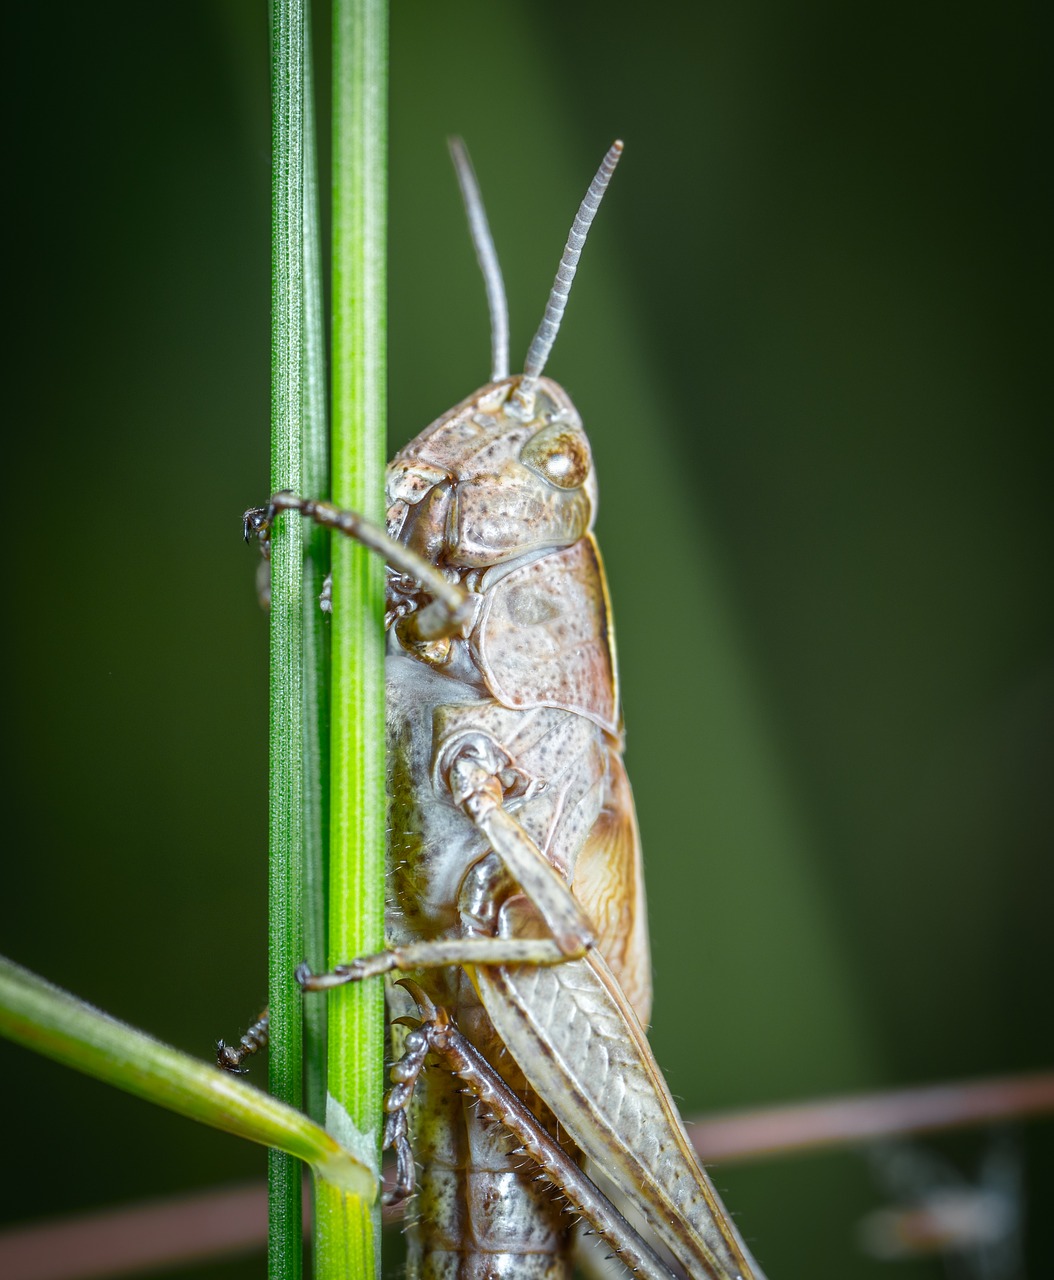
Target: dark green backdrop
807, 341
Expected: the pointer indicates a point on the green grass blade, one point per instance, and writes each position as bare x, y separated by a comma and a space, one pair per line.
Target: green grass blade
347, 1244
285, 1254
48, 1020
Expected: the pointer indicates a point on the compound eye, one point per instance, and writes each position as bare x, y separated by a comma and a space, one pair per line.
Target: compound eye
560, 454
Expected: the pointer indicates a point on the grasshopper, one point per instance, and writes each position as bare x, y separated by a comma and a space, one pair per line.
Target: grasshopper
516, 897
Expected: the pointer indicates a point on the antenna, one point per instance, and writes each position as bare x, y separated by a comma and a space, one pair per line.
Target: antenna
483, 243
543, 340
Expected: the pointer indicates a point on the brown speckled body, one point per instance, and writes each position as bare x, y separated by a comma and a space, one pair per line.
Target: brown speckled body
504, 499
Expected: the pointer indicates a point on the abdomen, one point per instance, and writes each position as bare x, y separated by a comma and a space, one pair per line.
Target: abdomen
479, 1212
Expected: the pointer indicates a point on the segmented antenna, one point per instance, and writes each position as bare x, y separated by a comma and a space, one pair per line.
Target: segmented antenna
483, 243
543, 340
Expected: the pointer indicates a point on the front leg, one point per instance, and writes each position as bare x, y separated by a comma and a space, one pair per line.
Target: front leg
452, 608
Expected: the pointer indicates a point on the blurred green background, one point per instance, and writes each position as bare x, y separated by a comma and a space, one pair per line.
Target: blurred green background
807, 341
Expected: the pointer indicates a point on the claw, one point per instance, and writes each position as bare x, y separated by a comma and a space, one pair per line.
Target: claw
229, 1059
424, 1005
257, 522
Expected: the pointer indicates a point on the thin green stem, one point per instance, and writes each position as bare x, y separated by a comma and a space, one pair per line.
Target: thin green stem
315, 475
347, 1241
285, 1254
315, 465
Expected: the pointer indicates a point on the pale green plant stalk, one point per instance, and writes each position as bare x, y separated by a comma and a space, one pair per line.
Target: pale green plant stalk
347, 1235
